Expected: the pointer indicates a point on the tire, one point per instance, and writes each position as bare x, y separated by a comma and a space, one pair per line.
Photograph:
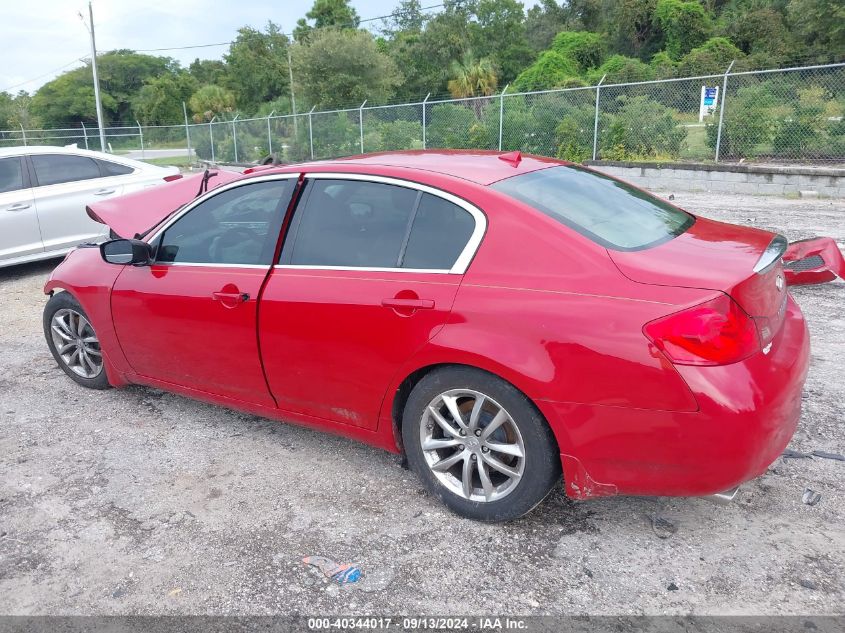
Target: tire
507, 431
65, 323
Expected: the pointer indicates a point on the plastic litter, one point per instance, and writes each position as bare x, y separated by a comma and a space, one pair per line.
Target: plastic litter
811, 497
795, 454
823, 454
342, 573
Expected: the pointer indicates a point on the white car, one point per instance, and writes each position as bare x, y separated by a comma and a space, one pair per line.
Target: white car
44, 192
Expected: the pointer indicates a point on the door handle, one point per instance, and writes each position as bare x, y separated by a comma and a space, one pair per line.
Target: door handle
20, 206
414, 304
104, 192
236, 297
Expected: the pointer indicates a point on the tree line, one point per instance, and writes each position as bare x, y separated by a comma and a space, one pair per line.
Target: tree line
466, 48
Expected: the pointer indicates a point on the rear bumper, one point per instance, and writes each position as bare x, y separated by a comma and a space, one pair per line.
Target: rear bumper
748, 412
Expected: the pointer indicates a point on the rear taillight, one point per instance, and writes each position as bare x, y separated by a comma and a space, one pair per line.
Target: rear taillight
172, 177
717, 332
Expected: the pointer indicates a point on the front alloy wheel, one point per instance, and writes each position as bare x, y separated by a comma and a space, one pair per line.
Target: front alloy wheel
76, 343
73, 341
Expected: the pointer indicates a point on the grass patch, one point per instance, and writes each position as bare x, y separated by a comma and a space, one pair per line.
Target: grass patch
178, 161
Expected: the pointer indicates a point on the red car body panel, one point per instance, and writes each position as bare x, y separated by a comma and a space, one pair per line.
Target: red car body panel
546, 309
137, 212
814, 261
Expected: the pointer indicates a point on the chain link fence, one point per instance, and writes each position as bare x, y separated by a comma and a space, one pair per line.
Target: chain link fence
782, 115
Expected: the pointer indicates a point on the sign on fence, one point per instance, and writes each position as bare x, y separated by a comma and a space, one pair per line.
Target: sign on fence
709, 100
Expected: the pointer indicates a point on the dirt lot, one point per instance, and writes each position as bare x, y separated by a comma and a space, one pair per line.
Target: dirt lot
136, 501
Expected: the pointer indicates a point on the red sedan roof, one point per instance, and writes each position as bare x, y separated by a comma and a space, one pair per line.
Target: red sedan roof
478, 166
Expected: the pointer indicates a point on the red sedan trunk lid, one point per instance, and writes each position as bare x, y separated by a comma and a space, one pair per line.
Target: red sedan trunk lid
715, 256
136, 212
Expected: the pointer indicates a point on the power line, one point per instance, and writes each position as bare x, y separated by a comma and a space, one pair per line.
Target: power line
182, 48
23, 83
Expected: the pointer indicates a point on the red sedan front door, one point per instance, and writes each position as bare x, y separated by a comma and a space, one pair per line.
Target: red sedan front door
190, 318
368, 275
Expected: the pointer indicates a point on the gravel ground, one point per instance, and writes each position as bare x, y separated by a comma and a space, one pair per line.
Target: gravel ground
138, 501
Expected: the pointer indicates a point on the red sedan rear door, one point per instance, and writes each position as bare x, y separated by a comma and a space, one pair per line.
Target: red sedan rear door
190, 318
368, 274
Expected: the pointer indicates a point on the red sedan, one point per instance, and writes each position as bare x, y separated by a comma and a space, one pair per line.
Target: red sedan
500, 319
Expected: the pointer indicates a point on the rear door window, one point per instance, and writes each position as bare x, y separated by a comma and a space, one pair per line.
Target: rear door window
11, 174
351, 224
53, 169
607, 211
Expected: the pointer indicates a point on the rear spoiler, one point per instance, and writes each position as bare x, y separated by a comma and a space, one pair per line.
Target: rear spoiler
771, 255
135, 213
813, 261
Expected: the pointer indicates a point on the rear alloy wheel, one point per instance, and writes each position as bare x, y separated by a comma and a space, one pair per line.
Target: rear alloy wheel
471, 445
73, 341
479, 444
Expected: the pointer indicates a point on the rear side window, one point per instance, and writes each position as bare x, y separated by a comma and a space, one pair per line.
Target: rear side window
609, 212
113, 169
52, 169
11, 174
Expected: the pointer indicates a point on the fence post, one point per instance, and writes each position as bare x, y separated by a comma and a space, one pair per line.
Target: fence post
269, 137
141, 134
361, 123
423, 117
310, 131
23, 133
187, 131
722, 110
596, 120
211, 138
502, 113
84, 133
235, 136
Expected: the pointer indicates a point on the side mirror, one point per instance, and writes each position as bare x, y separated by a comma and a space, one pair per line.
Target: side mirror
134, 252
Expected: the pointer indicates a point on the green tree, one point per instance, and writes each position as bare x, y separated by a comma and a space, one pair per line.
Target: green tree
684, 23
6, 104
210, 101
472, 78
543, 21
70, 97
343, 67
257, 66
820, 24
327, 13
585, 48
208, 71
498, 33
551, 70
620, 69
159, 102
711, 58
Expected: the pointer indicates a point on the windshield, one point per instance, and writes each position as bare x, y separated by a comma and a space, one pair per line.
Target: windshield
609, 212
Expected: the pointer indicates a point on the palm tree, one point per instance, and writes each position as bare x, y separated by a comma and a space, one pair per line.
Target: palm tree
473, 78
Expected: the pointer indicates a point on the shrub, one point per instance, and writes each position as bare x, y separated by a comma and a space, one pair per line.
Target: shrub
747, 124
583, 47
551, 70
642, 128
450, 126
620, 69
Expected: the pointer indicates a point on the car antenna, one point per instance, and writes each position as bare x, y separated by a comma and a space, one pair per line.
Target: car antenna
208, 175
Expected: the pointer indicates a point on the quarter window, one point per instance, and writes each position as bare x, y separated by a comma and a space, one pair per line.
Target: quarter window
439, 234
360, 224
11, 174
52, 169
236, 226
113, 169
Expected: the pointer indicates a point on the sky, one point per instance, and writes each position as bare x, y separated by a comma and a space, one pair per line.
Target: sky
45, 38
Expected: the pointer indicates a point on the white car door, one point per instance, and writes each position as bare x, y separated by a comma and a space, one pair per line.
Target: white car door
19, 232
65, 185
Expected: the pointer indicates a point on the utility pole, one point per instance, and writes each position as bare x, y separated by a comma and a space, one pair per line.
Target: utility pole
292, 97
96, 78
